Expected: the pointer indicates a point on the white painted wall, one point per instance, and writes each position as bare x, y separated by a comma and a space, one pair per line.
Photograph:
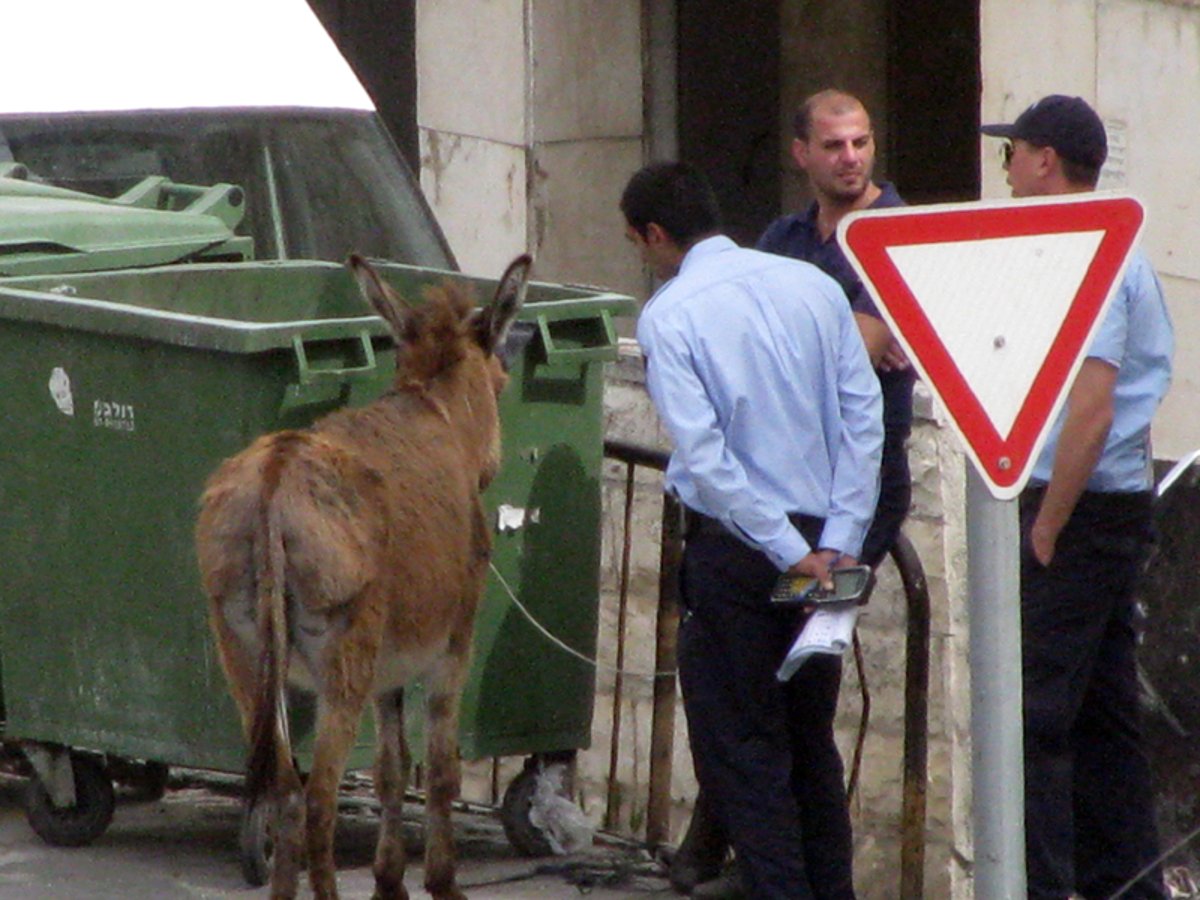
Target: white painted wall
1138, 63
530, 114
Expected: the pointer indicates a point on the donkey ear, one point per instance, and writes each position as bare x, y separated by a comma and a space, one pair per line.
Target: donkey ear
494, 322
385, 301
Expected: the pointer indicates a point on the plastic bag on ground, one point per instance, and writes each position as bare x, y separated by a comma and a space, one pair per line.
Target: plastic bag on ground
566, 828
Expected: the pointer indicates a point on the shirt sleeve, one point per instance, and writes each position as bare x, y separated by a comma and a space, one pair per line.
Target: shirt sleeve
720, 481
855, 488
1111, 337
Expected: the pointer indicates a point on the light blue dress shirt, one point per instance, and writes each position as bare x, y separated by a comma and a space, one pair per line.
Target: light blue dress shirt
1135, 336
758, 370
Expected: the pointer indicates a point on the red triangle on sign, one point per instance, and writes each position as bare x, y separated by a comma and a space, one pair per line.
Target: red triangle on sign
995, 304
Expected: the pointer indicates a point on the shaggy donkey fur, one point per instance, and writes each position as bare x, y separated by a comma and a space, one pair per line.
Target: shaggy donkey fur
349, 559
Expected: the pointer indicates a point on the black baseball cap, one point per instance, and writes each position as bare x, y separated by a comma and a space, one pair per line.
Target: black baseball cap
1067, 124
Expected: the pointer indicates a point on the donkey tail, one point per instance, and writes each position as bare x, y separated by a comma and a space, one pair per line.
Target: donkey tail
270, 742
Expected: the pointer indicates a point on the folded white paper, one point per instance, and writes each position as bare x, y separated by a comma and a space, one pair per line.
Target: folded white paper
828, 630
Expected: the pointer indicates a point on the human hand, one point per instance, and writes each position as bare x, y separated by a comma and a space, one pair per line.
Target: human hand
816, 565
1042, 539
820, 565
840, 560
894, 358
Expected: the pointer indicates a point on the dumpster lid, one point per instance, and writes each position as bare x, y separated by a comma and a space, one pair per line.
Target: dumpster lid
68, 56
49, 229
246, 308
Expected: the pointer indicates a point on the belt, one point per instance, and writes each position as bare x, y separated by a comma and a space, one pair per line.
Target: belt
697, 524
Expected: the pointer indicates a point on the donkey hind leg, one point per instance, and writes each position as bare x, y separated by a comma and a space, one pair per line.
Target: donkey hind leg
336, 729
287, 853
239, 662
285, 794
444, 689
393, 764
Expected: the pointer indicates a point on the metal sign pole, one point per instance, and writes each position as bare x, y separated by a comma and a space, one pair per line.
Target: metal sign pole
997, 756
915, 262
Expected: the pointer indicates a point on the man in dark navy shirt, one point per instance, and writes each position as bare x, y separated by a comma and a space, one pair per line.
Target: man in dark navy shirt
835, 148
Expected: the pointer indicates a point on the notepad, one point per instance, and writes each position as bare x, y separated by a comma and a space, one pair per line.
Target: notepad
828, 630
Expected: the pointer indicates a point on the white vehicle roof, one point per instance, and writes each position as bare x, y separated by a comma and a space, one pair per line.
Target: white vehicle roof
72, 56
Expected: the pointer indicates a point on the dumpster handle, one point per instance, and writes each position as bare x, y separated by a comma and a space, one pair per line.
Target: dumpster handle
601, 351
309, 375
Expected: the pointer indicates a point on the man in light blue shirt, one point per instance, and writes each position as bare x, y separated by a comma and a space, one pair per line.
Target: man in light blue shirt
1085, 525
759, 372
1135, 338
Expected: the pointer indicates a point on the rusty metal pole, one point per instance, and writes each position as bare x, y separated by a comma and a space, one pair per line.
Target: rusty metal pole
916, 720
612, 808
662, 729
864, 718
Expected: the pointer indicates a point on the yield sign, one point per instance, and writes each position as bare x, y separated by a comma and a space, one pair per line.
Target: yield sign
995, 304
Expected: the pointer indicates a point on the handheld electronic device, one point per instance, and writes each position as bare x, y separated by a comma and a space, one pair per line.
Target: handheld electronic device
851, 584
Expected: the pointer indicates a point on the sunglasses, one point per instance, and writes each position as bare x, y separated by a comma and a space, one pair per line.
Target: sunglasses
1006, 154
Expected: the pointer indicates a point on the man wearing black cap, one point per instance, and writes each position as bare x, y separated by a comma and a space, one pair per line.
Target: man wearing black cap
1085, 525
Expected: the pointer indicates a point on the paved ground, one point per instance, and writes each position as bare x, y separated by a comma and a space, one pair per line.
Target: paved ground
184, 846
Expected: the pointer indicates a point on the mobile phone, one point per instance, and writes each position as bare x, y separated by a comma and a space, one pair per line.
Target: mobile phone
794, 589
851, 584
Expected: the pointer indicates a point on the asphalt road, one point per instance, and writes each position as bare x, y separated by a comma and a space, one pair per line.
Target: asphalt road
184, 846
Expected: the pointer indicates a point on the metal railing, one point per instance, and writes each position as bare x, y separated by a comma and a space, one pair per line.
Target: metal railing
662, 739
662, 719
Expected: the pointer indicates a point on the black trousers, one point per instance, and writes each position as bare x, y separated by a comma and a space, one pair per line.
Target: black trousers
763, 750
1089, 802
895, 496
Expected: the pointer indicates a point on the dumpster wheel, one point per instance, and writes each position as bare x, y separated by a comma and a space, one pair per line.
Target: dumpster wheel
73, 826
525, 837
255, 844
144, 781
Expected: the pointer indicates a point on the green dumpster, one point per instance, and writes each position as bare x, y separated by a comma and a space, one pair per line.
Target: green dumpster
124, 389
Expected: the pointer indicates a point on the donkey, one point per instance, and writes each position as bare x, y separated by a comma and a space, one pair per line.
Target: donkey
349, 559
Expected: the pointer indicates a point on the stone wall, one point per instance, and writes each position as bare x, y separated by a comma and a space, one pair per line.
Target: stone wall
937, 513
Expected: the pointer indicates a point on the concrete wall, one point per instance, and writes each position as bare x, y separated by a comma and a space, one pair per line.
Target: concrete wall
1138, 63
530, 115
531, 119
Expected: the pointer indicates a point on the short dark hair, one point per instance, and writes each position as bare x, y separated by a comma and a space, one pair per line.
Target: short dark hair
1086, 174
838, 101
675, 196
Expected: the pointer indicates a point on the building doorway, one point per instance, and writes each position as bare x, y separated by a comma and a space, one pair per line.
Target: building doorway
742, 69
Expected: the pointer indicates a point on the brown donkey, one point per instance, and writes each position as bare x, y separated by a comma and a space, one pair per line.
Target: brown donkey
349, 559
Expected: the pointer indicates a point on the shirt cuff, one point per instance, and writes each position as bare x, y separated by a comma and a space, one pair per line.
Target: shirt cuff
844, 536
788, 550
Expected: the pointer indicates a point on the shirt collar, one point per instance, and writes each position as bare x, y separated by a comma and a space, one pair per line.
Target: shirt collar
711, 246
887, 197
